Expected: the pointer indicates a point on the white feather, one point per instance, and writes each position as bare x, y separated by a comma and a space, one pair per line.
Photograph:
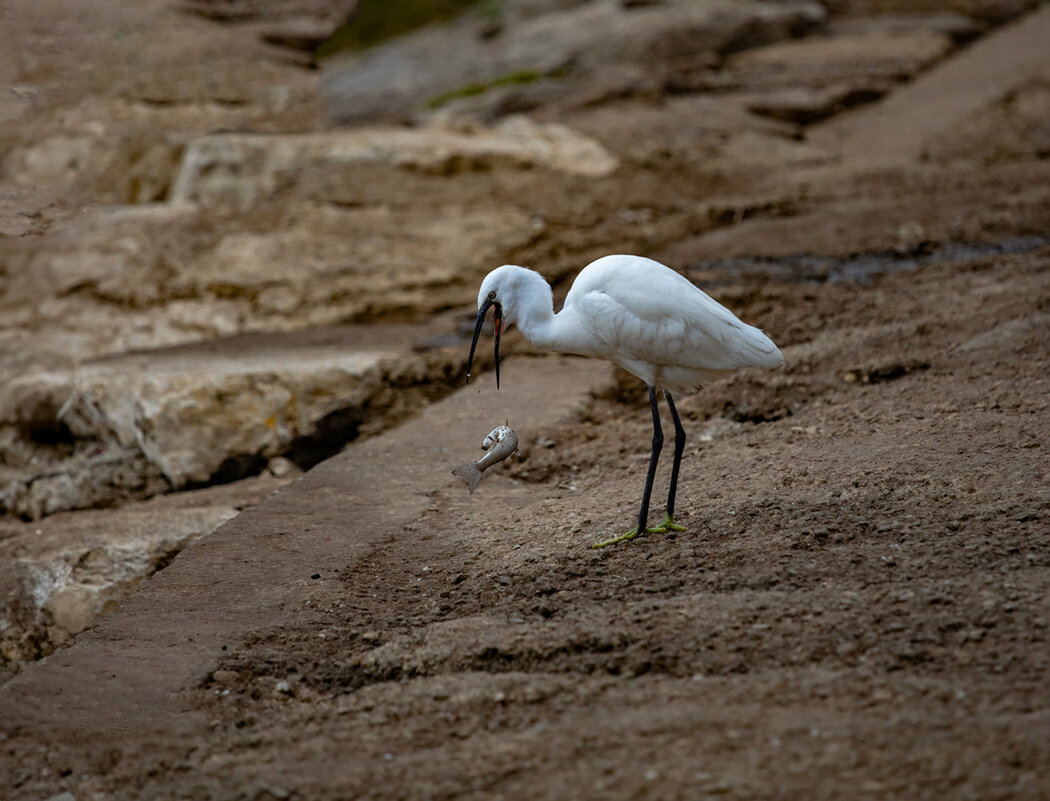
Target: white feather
638, 314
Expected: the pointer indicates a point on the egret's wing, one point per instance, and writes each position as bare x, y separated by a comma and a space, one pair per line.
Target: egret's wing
659, 317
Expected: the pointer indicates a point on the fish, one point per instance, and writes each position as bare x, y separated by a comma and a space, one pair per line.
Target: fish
500, 443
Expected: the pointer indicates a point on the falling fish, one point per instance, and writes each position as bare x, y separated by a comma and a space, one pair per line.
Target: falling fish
500, 443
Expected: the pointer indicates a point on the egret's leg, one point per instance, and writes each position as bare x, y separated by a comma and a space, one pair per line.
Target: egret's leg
654, 456
679, 448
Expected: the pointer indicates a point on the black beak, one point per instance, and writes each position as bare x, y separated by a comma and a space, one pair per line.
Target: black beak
497, 318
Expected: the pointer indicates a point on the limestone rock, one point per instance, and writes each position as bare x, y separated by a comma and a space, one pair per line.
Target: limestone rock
138, 425
820, 61
160, 275
804, 105
241, 170
33, 401
1014, 127
960, 27
59, 576
339, 264
189, 417
95, 475
101, 118
951, 97
589, 38
716, 130
325, 14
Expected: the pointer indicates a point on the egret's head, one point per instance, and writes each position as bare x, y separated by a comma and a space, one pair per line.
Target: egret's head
497, 292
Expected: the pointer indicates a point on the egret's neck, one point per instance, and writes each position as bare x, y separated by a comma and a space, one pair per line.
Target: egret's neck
560, 332
530, 305
535, 317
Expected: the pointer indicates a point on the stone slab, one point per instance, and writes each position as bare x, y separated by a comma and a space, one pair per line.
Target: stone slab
168, 636
898, 128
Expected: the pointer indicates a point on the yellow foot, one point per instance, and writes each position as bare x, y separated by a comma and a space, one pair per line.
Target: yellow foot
630, 535
667, 525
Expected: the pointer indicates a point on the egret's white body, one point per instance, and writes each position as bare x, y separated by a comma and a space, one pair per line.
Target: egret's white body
640, 315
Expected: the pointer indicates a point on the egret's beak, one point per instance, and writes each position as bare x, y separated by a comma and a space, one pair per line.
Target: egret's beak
497, 319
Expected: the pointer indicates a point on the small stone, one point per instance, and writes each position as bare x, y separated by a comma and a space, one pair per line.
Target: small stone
280, 467
225, 677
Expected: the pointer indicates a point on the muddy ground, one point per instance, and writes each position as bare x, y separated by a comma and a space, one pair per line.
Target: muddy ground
860, 605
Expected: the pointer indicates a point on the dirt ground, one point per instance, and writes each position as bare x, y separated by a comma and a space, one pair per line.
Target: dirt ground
859, 608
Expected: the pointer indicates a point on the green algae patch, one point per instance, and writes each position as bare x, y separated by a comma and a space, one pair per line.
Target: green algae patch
472, 89
376, 21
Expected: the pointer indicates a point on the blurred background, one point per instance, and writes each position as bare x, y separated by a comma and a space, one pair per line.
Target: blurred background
237, 234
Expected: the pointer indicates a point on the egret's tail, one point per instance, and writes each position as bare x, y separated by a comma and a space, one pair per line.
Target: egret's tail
470, 474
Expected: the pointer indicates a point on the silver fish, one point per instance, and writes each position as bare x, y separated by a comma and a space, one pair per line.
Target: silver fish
500, 443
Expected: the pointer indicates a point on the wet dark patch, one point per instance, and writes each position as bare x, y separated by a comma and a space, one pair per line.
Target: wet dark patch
52, 433
331, 434
862, 268
884, 372
757, 414
234, 468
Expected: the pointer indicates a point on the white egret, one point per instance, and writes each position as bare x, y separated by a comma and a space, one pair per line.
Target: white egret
642, 316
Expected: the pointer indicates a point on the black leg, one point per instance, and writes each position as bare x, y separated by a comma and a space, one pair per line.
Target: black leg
679, 447
643, 514
658, 443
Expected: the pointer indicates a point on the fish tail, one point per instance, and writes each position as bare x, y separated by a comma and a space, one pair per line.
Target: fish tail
469, 473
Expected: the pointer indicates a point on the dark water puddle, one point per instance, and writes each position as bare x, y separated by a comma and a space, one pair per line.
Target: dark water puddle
863, 267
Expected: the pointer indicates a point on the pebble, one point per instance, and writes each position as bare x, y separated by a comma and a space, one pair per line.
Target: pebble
224, 677
279, 467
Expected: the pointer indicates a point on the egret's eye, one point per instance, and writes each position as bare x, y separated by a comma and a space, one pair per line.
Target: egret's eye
492, 295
